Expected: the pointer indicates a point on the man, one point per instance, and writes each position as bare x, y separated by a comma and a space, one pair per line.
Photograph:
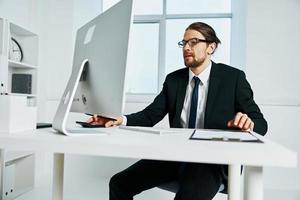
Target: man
202, 95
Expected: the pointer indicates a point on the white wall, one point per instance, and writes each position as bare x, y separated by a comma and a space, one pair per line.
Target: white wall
273, 46
272, 66
56, 45
60, 32
283, 129
19, 12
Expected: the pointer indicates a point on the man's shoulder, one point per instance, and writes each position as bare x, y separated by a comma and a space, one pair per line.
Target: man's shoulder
223, 69
217, 69
178, 73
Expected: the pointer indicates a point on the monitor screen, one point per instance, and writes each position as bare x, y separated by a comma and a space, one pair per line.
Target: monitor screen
104, 42
97, 81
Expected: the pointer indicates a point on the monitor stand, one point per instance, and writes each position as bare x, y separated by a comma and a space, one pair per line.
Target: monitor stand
63, 110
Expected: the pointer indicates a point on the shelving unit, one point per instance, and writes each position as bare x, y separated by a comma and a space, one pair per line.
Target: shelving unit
18, 109
20, 65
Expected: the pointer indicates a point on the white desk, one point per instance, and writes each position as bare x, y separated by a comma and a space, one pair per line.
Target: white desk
175, 147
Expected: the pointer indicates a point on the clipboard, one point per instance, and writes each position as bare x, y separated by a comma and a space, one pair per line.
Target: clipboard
224, 135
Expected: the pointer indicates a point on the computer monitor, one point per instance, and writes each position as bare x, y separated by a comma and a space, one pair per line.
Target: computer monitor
97, 80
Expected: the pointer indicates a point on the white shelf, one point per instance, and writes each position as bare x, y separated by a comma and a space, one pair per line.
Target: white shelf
25, 95
15, 64
20, 30
15, 155
18, 166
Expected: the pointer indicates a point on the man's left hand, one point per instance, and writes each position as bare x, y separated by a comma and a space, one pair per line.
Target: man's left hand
241, 121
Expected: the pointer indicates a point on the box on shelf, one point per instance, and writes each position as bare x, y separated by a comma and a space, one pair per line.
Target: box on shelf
18, 113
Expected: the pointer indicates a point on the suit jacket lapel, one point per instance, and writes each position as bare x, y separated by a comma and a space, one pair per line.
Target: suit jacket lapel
180, 96
214, 83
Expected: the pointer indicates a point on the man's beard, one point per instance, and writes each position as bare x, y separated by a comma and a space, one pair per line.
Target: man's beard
195, 63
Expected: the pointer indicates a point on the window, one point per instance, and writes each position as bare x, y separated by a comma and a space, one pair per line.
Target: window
143, 59
158, 26
198, 6
141, 7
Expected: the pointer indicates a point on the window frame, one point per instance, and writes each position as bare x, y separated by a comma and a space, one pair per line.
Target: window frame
161, 19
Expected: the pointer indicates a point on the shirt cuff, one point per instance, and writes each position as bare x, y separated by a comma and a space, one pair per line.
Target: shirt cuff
124, 122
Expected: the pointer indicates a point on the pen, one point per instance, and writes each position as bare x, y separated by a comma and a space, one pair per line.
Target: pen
90, 114
193, 133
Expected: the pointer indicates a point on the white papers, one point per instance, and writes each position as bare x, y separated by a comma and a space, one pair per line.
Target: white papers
223, 135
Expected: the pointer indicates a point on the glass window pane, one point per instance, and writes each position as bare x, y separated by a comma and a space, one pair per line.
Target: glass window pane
142, 66
84, 11
175, 31
108, 3
141, 7
198, 6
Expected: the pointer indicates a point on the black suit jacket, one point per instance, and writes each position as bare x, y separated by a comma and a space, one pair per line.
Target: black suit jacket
229, 92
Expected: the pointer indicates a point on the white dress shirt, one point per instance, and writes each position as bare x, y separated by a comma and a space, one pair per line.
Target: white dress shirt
202, 96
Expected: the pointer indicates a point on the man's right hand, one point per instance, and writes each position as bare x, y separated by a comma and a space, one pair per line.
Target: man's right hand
108, 122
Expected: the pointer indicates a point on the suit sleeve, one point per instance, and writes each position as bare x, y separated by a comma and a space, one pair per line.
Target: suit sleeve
246, 104
153, 113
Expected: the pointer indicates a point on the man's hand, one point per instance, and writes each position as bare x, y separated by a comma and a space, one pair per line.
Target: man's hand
108, 122
241, 121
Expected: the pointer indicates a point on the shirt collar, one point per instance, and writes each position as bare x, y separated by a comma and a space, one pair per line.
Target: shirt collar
203, 76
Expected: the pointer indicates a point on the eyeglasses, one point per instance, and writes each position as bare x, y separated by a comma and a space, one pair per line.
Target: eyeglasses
191, 42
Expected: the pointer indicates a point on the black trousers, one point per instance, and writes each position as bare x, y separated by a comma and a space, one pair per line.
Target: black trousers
197, 181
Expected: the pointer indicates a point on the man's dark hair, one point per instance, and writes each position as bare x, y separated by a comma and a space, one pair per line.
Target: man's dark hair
206, 30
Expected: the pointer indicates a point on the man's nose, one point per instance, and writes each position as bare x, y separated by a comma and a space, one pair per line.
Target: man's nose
186, 47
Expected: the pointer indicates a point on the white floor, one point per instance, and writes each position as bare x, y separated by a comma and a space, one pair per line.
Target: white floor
91, 190
98, 190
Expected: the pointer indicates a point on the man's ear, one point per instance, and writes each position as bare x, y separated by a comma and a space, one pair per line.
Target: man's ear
211, 48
